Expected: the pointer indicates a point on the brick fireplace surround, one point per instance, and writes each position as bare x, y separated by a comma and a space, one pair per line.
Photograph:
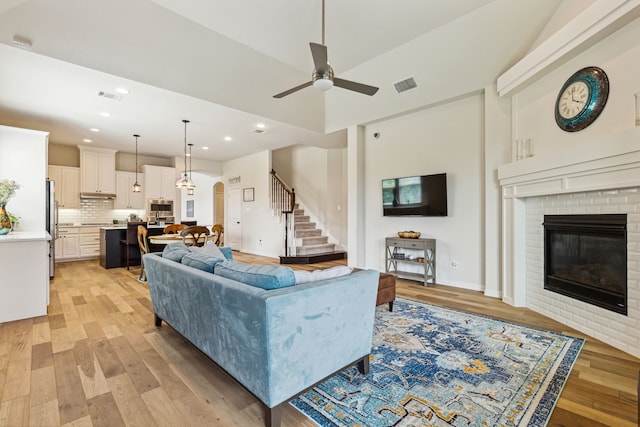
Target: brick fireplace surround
601, 176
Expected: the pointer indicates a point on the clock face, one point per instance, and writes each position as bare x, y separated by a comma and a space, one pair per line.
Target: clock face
581, 99
573, 100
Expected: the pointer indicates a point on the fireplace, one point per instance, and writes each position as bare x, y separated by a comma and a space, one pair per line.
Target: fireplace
585, 257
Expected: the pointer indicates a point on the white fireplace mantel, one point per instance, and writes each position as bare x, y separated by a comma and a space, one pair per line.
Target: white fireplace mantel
610, 162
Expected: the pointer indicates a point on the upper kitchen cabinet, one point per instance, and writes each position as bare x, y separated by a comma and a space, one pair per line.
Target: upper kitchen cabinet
98, 170
67, 185
159, 182
125, 197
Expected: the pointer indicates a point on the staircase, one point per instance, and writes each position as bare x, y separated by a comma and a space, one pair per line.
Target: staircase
310, 245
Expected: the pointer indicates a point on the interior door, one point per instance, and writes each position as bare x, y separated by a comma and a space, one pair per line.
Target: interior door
233, 227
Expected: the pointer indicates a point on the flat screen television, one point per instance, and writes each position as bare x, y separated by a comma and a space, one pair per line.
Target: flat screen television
424, 195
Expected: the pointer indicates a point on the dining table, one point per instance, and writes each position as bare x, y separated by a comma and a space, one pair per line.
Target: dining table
165, 239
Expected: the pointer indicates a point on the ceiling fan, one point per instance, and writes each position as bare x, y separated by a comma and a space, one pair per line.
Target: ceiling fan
322, 77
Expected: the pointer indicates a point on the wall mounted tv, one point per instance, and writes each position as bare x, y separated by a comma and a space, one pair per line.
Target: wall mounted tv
415, 196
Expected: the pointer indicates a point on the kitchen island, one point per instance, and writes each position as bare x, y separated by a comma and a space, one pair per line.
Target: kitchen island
112, 252
24, 288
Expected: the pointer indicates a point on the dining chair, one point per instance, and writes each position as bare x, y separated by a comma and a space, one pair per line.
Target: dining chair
191, 235
143, 243
218, 230
174, 228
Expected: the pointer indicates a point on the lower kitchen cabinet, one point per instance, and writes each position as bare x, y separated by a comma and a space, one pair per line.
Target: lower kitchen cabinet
74, 243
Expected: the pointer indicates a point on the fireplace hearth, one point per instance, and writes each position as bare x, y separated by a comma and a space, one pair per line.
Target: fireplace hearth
585, 258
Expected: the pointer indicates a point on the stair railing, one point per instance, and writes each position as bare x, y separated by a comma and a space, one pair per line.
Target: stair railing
283, 201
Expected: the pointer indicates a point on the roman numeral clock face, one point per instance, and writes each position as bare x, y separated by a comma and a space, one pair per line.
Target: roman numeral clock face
581, 99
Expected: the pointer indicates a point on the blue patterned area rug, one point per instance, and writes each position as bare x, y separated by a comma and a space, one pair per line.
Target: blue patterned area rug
433, 366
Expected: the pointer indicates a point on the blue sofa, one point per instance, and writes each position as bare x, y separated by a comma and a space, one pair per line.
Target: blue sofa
277, 343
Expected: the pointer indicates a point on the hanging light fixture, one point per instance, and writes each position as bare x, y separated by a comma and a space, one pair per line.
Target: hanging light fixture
184, 181
190, 189
137, 187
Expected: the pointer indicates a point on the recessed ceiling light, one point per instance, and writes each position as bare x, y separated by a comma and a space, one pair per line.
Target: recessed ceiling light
94, 130
261, 126
227, 138
105, 114
205, 148
87, 140
123, 91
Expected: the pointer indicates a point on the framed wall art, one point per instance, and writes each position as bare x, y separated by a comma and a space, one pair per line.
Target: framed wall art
247, 194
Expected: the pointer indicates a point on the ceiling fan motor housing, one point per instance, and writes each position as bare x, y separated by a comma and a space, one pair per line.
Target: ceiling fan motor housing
323, 79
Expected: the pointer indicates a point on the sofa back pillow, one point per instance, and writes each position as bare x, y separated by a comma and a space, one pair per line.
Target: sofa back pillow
175, 251
262, 276
211, 249
303, 276
201, 261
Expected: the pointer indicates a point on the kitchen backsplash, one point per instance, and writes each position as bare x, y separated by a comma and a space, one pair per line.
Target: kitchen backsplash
96, 211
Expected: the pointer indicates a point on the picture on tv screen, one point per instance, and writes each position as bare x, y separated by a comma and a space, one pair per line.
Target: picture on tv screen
415, 196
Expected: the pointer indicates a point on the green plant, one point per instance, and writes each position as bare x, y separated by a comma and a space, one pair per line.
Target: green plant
7, 190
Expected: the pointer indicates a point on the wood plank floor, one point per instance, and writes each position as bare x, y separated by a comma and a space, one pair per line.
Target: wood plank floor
97, 360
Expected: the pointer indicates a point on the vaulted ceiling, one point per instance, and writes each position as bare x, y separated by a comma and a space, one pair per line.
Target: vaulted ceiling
218, 63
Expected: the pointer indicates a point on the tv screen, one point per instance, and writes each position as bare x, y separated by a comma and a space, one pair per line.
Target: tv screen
415, 196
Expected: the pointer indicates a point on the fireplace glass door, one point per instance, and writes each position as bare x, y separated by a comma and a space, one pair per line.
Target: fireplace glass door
586, 258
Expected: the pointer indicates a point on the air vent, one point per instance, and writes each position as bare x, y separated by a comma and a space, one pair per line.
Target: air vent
108, 95
259, 130
405, 85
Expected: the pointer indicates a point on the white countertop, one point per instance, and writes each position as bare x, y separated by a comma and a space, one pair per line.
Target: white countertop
25, 236
124, 227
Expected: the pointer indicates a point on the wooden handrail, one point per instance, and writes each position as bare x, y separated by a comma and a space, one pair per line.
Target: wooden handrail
283, 198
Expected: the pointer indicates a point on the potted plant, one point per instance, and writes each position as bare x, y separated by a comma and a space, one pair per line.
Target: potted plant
7, 190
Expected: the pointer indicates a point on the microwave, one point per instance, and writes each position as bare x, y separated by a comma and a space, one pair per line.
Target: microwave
160, 208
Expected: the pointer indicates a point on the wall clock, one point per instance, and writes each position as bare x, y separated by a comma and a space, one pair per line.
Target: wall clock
581, 99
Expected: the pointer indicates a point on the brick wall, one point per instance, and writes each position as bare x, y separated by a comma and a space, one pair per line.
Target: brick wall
615, 329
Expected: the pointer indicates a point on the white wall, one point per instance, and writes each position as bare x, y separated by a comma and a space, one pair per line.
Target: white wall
447, 138
24, 160
262, 233
202, 198
619, 56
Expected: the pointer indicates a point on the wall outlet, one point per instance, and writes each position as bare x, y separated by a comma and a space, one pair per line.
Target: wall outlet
260, 242
454, 264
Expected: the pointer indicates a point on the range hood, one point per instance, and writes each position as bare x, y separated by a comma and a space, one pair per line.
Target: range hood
97, 196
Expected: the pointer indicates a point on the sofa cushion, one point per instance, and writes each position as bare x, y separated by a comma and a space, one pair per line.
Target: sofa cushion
201, 261
175, 251
303, 276
261, 276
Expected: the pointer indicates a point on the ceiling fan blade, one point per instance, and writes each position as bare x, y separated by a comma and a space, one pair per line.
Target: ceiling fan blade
357, 87
295, 89
319, 53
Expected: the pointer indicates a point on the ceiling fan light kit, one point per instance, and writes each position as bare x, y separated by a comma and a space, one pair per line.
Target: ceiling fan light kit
323, 78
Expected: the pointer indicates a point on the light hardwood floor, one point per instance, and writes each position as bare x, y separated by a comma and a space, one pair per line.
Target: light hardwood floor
97, 360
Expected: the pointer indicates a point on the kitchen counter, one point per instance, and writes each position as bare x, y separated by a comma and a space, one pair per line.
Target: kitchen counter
24, 288
25, 236
113, 252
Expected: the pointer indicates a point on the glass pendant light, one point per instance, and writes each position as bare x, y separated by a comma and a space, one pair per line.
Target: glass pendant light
137, 187
184, 181
191, 188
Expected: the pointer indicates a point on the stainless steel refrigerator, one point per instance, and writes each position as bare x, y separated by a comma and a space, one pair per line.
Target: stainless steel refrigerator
52, 225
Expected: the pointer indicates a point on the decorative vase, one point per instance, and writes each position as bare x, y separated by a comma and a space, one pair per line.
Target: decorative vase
5, 222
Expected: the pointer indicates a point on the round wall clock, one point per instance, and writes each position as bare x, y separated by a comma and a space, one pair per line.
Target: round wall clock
581, 99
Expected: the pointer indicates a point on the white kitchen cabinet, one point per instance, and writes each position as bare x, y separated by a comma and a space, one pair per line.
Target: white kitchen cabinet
98, 170
67, 244
67, 185
125, 197
75, 243
159, 182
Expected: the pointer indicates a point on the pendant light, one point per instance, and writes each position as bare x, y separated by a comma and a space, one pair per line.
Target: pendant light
184, 181
190, 189
136, 187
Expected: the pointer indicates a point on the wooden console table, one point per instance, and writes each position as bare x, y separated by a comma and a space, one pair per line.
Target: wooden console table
422, 253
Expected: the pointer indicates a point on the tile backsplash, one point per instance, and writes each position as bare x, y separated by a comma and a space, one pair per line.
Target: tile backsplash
96, 211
